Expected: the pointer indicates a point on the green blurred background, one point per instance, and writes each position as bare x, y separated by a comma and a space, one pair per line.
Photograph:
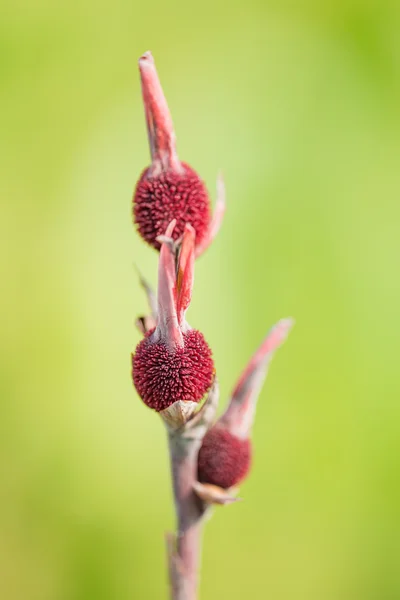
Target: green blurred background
298, 103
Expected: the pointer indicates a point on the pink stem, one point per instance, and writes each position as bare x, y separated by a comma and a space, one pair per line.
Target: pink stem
189, 510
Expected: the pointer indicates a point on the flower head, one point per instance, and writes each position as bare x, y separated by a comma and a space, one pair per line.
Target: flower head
173, 362
225, 455
169, 189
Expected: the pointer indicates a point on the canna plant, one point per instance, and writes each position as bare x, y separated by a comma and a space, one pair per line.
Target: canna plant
172, 366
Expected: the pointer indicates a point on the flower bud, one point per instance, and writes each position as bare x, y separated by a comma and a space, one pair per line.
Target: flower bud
224, 459
173, 363
169, 189
225, 455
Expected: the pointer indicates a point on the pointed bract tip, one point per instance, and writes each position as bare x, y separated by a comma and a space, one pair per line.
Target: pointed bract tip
166, 237
146, 57
187, 242
145, 324
170, 229
287, 322
280, 331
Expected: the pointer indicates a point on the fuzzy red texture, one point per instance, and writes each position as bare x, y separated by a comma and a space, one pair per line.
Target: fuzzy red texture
162, 376
224, 459
171, 195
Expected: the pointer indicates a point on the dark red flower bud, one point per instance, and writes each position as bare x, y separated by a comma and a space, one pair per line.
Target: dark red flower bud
225, 455
224, 459
162, 375
173, 362
169, 189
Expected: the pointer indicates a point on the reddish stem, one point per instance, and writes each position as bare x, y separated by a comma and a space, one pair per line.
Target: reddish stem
189, 510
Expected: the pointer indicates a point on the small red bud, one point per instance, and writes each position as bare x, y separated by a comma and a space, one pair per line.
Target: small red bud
170, 195
169, 189
225, 455
163, 375
224, 459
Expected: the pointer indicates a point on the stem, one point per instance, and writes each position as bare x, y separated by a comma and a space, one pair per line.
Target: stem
185, 558
185, 435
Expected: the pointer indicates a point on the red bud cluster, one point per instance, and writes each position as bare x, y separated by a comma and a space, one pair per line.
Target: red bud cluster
172, 367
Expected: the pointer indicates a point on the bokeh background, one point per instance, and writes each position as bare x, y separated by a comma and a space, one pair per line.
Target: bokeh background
298, 103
